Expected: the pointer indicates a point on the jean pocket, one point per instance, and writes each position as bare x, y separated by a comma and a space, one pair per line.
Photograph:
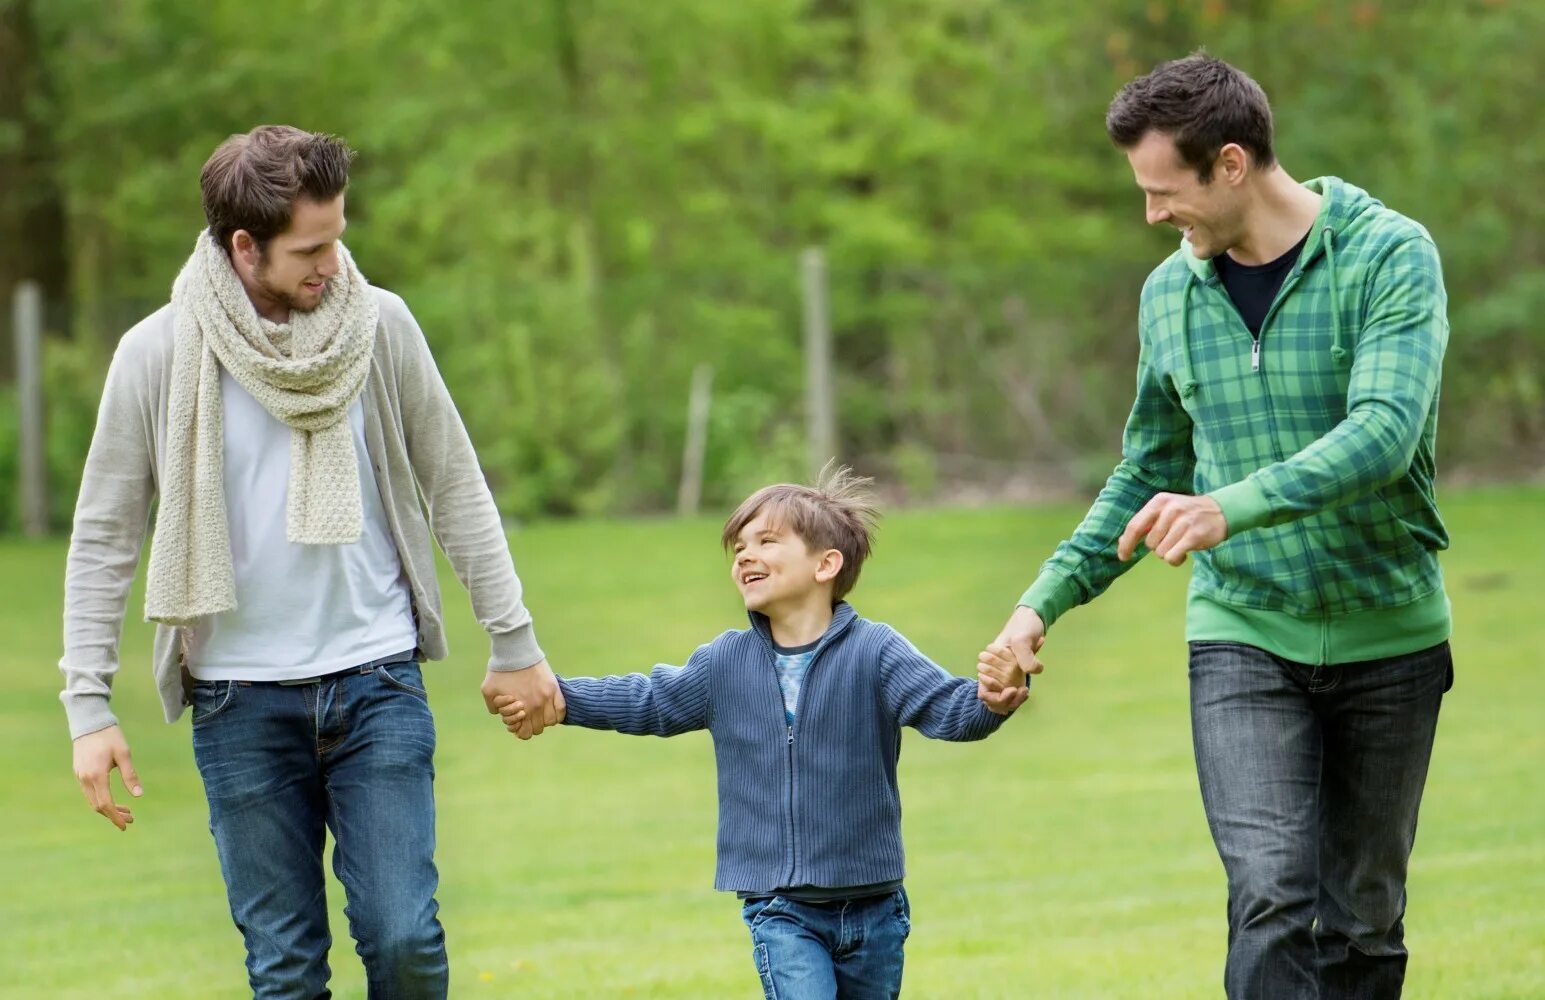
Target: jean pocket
210, 698
755, 910
404, 677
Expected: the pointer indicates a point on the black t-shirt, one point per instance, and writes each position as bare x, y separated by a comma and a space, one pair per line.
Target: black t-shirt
1254, 289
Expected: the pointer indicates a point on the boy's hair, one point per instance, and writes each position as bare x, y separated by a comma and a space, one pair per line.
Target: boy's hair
1201, 103
252, 181
838, 512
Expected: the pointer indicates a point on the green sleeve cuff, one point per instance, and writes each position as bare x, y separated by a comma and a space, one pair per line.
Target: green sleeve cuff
1050, 596
1244, 505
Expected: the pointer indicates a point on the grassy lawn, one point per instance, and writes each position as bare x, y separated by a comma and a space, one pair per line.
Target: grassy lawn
1065, 857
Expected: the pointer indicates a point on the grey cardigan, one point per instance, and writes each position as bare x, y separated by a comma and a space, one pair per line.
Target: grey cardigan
417, 444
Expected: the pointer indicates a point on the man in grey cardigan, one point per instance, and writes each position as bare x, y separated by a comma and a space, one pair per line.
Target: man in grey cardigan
288, 418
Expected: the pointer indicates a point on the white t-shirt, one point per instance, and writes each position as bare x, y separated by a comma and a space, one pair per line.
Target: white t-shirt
301, 610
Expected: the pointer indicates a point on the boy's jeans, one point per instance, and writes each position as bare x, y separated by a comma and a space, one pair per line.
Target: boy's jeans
847, 948
1311, 777
351, 751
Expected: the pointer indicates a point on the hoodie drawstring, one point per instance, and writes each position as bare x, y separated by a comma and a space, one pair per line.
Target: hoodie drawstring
1328, 240
1188, 383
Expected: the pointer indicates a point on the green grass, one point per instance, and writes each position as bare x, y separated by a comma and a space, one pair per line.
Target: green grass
1066, 857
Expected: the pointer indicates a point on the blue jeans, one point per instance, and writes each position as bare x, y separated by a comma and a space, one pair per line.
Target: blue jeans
847, 948
1311, 778
353, 753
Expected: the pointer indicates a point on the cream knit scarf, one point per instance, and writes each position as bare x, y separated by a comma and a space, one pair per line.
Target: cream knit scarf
305, 373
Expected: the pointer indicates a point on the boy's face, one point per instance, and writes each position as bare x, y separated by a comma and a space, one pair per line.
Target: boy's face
774, 568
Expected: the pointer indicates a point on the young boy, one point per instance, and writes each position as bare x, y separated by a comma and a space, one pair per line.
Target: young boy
805, 708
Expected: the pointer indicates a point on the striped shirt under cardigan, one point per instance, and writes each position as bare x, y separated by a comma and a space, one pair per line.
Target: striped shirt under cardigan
813, 804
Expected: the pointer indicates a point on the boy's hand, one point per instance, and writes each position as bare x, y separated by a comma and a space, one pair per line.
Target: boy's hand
513, 712
998, 673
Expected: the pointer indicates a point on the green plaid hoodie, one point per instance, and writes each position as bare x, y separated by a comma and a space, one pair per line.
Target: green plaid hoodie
1316, 440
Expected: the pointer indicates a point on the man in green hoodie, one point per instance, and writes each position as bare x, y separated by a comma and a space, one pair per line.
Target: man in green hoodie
1287, 405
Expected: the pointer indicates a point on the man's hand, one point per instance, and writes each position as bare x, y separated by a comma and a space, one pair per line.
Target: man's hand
535, 687
1022, 634
96, 754
1173, 524
997, 671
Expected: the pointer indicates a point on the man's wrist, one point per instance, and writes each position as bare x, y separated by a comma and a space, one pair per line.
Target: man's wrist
1244, 505
1050, 596
87, 714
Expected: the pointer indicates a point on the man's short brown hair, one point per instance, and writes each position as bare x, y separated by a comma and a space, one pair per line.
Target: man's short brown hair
1200, 102
252, 181
838, 512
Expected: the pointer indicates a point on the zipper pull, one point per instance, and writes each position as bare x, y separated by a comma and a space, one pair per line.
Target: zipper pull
791, 736
1255, 354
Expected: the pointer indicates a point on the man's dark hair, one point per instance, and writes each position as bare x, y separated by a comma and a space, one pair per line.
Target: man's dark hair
1201, 103
252, 181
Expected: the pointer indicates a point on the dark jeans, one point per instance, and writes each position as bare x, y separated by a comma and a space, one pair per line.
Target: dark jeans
1311, 777
353, 753
817, 951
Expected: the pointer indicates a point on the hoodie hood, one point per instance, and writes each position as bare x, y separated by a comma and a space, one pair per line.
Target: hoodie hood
1342, 205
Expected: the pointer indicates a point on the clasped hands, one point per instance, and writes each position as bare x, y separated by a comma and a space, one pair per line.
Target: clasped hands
527, 701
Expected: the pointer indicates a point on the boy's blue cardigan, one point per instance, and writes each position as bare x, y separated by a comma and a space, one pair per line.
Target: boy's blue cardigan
814, 804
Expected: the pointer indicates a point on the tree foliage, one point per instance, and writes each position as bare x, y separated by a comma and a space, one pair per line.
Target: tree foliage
583, 199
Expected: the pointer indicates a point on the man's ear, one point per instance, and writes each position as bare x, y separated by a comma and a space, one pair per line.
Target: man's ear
829, 566
1233, 164
245, 248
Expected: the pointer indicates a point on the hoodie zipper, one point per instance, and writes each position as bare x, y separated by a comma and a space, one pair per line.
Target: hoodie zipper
829, 637
793, 824
799, 704
1271, 418
793, 784
1255, 338
788, 751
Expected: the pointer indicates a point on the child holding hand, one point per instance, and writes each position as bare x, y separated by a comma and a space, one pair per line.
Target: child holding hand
805, 707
